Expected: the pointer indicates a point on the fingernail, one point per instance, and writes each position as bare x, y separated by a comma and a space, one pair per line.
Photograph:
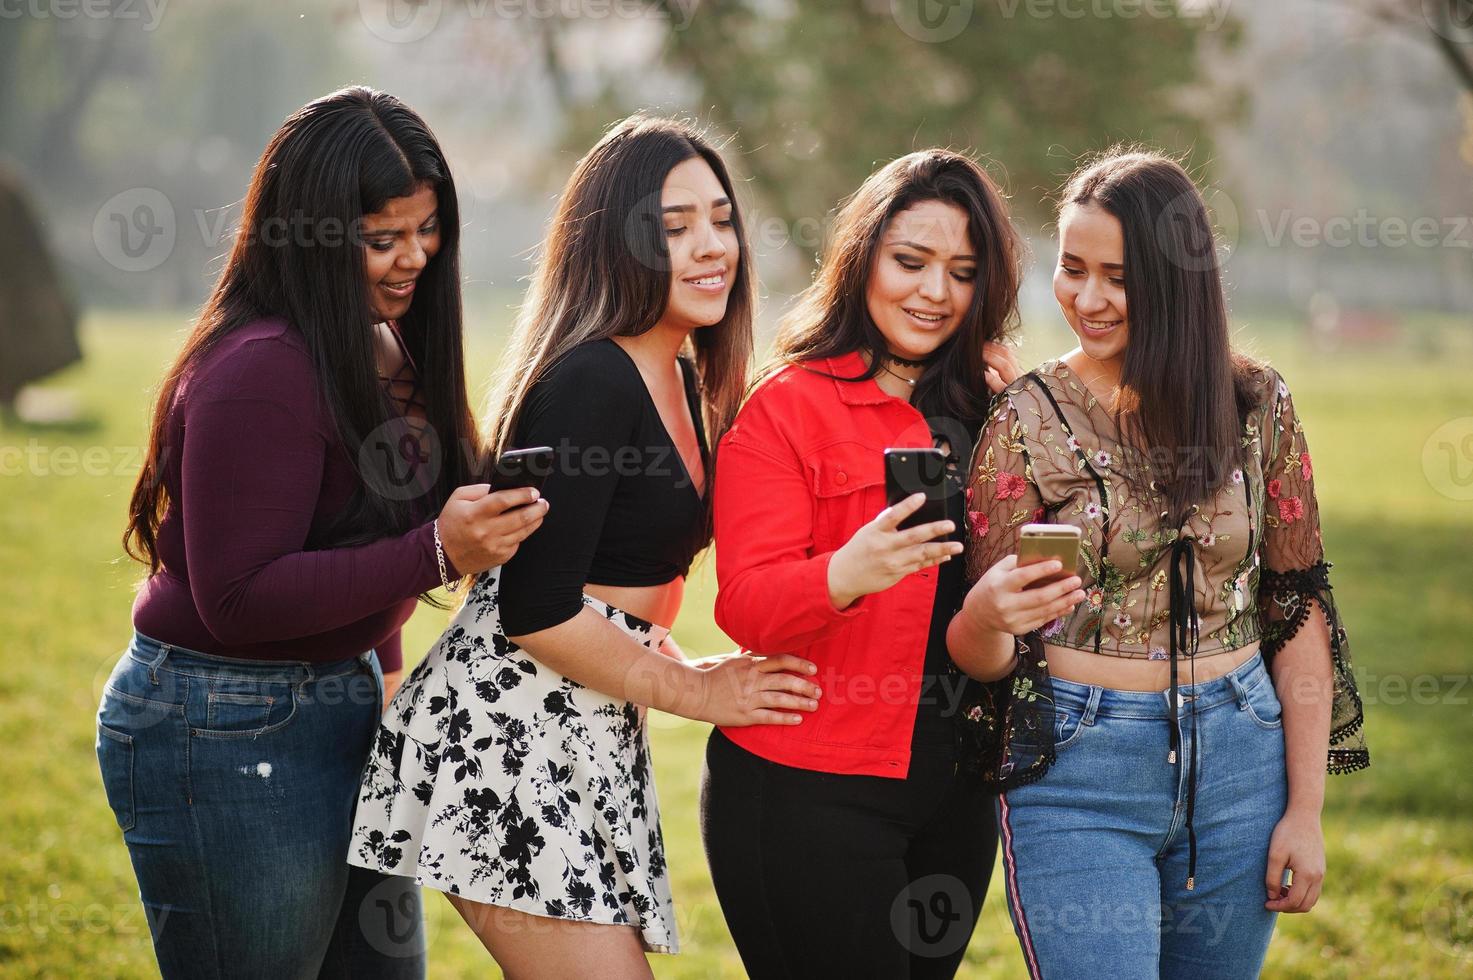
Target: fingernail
813, 668
535, 494
950, 526
818, 692
797, 719
812, 704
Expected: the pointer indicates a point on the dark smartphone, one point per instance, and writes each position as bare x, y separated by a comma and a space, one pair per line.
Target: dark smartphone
921, 470
519, 468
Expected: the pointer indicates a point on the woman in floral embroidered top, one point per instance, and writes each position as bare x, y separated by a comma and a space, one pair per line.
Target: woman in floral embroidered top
1153, 703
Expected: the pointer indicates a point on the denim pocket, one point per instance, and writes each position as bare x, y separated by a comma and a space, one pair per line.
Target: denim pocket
1068, 727
1262, 705
241, 708
115, 759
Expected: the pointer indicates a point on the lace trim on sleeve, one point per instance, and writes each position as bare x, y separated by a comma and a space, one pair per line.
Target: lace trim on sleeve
1284, 605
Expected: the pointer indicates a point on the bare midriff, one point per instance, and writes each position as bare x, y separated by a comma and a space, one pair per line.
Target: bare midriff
658, 604
1128, 674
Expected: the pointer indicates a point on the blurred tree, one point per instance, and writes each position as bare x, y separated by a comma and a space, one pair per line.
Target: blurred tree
38, 324
823, 92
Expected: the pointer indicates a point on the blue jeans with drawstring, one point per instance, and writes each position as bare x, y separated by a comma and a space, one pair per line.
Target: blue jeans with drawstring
1095, 853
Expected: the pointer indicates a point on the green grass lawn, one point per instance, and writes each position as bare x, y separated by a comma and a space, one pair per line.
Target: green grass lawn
1398, 900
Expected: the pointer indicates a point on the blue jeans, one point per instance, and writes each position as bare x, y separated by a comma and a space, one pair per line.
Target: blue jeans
234, 782
1096, 851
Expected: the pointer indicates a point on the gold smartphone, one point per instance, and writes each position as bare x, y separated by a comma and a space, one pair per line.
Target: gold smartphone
1040, 542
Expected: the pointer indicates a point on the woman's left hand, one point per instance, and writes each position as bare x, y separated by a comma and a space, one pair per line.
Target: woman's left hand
1297, 843
1002, 365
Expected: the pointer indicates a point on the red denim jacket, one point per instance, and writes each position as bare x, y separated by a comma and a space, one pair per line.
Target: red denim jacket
797, 474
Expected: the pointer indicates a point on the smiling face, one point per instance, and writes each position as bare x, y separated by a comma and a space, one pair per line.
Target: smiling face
398, 242
1089, 281
922, 279
701, 236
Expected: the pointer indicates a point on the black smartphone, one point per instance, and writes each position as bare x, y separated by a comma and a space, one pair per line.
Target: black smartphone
921, 470
518, 468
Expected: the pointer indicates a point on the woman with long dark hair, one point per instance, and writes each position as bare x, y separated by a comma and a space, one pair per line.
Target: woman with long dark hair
1161, 732
512, 770
850, 845
302, 444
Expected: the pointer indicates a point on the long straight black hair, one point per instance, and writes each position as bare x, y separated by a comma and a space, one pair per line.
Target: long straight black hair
298, 255
1184, 393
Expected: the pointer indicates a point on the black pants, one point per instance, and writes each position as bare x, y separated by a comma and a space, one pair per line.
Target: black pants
855, 876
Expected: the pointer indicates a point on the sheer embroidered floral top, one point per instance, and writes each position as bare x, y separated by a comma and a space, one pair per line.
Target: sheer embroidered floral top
1242, 569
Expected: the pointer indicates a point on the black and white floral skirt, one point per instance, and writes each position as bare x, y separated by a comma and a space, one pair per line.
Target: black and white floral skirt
498, 779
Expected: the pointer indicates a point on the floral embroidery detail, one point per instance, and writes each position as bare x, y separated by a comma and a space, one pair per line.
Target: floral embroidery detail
978, 521
1010, 486
1290, 509
1265, 520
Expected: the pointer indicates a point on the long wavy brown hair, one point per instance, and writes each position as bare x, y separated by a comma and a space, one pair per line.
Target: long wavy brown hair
604, 272
831, 317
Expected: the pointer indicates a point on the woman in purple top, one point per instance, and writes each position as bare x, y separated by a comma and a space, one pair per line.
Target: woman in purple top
303, 443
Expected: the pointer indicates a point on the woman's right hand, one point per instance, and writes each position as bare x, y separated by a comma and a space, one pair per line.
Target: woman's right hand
880, 554
746, 689
481, 530
1001, 600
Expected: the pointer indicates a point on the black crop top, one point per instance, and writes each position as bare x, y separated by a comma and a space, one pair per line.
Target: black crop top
623, 510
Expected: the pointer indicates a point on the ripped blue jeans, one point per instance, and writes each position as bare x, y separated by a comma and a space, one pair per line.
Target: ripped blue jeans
233, 782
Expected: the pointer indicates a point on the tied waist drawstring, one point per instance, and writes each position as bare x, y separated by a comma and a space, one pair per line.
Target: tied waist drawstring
1184, 635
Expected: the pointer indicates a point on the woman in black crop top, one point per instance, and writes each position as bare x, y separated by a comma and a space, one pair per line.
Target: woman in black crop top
512, 770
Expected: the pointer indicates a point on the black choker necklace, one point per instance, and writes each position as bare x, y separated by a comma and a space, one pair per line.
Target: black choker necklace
893, 359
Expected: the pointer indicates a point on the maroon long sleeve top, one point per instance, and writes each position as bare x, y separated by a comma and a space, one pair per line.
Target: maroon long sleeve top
253, 466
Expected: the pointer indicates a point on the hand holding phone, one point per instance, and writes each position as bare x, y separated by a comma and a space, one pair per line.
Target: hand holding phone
1040, 542
912, 471
522, 468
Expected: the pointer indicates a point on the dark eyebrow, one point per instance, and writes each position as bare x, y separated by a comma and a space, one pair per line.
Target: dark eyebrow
1103, 265
932, 251
720, 202
391, 233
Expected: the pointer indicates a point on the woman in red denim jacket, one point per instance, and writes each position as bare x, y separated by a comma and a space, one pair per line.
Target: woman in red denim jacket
848, 844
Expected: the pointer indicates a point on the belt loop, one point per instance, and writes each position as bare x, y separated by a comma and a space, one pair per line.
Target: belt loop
153, 665
1239, 689
1092, 706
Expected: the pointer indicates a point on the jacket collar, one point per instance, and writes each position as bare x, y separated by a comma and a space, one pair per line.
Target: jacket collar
866, 392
